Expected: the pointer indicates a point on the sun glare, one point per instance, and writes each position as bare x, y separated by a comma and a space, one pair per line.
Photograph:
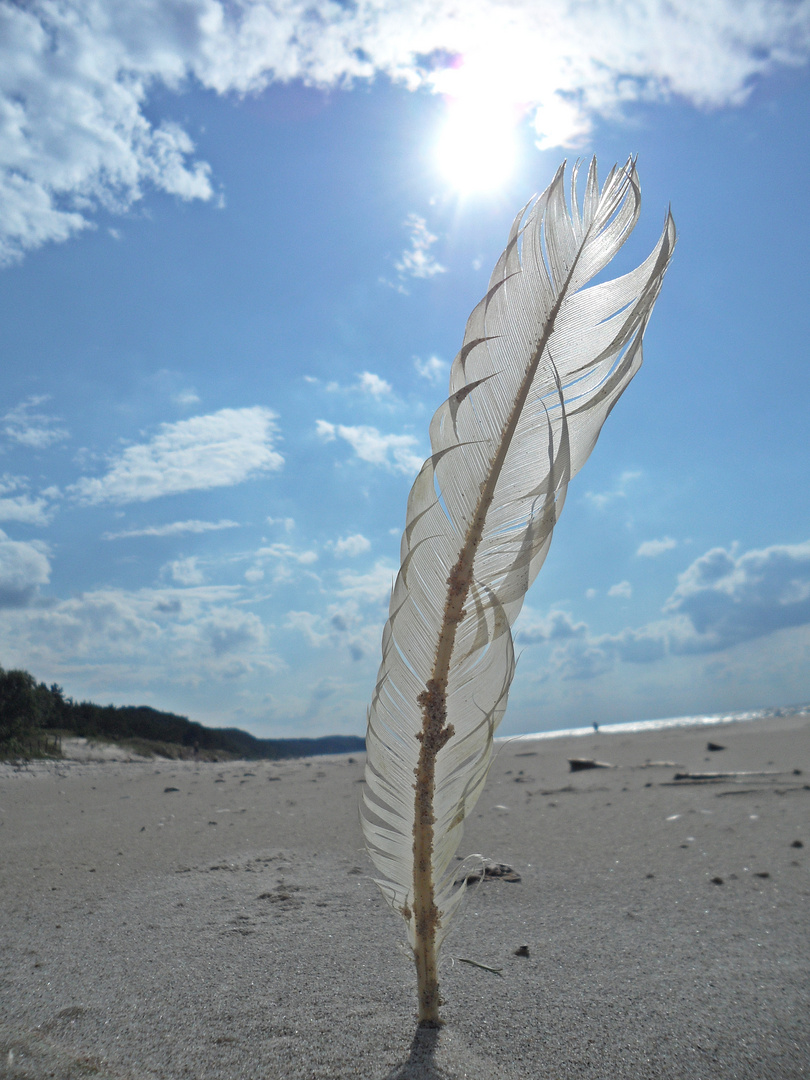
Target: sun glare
477, 147
488, 94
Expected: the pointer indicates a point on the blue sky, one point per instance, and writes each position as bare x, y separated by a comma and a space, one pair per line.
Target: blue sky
240, 243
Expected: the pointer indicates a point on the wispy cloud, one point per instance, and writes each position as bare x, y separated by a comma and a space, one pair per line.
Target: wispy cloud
283, 558
285, 552
622, 589
652, 548
603, 499
373, 587
418, 261
433, 369
288, 523
394, 452
186, 399
75, 77
217, 450
367, 383
176, 528
25, 425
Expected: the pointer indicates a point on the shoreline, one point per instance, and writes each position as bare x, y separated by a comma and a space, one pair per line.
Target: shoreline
90, 751
177, 920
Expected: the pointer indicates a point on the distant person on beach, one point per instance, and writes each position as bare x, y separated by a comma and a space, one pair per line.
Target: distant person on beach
595, 726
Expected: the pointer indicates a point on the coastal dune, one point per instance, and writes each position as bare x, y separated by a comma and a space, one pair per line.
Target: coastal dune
166, 920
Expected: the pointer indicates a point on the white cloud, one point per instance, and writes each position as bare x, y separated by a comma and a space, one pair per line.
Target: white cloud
367, 383
651, 548
24, 566
75, 77
310, 625
20, 506
217, 450
341, 627
623, 589
532, 628
373, 587
561, 121
433, 369
352, 545
588, 656
30, 428
234, 632
283, 557
176, 528
284, 551
325, 430
373, 384
721, 600
26, 510
142, 638
185, 571
392, 451
729, 598
417, 261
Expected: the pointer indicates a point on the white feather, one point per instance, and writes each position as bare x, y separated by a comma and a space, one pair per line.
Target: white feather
543, 361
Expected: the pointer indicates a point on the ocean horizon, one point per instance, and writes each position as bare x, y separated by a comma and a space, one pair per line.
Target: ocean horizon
701, 720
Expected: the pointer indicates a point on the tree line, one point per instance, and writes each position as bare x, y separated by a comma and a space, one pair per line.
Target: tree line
34, 716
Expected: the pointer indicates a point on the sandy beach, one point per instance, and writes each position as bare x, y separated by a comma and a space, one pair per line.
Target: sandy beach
166, 920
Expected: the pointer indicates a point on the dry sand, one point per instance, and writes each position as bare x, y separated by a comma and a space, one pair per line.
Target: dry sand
220, 922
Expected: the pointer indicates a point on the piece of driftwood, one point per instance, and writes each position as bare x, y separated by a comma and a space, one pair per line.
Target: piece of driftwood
727, 775
579, 763
758, 790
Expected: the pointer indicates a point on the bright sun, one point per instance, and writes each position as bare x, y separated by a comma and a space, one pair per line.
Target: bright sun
477, 147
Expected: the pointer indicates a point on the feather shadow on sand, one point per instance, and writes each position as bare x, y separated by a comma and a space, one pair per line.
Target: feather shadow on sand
545, 357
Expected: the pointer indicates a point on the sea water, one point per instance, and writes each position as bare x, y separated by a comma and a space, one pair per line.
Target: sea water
669, 722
